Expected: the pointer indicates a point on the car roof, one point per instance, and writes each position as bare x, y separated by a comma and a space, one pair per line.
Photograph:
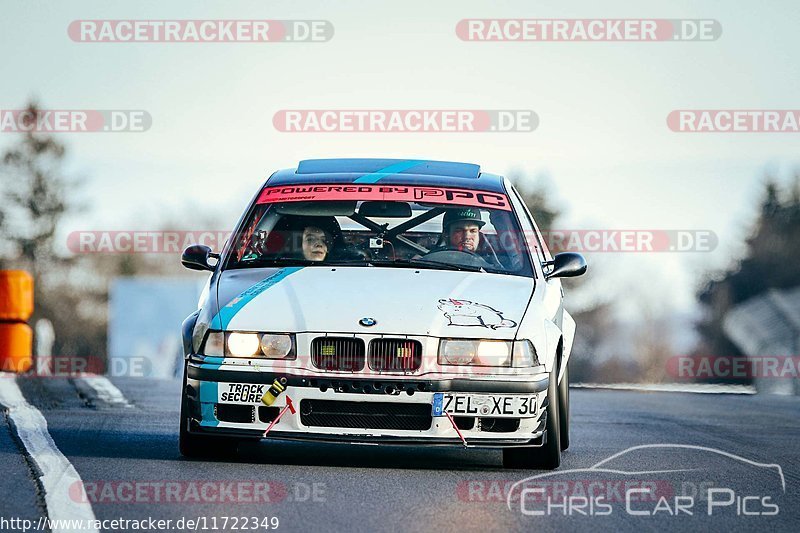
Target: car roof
389, 172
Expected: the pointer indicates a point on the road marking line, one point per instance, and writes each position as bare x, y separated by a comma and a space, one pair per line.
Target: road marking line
58, 474
106, 391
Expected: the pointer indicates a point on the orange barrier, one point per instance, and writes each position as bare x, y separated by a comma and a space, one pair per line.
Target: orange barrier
16, 341
16, 306
16, 295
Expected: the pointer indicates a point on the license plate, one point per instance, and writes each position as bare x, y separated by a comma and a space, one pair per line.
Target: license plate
488, 405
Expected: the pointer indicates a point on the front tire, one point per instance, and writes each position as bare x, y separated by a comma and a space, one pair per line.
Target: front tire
563, 409
547, 456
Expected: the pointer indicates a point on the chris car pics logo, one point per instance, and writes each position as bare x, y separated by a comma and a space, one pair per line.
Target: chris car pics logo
680, 481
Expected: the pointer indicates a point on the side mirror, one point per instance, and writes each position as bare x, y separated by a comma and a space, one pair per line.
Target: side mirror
196, 257
566, 265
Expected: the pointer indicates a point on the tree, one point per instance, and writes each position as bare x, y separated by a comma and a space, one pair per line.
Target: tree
36, 197
769, 262
3, 239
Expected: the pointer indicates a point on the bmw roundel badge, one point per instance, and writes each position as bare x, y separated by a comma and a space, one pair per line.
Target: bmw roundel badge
367, 321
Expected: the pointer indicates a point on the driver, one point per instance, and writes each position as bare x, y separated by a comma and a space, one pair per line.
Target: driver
461, 230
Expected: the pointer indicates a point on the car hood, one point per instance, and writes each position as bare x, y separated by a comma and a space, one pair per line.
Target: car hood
401, 301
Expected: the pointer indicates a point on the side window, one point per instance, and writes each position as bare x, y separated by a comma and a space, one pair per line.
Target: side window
532, 234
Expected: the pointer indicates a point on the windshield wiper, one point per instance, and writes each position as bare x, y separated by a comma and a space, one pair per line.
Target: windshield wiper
411, 263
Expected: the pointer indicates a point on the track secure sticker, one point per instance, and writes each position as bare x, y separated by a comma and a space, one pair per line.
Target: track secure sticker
241, 393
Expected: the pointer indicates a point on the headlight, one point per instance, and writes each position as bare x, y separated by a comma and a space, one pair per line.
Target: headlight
457, 352
474, 352
276, 346
494, 353
245, 344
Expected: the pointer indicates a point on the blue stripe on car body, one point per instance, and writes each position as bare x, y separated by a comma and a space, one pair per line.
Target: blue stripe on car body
208, 398
226, 314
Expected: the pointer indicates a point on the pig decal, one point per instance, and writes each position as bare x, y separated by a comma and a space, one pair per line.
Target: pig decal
467, 313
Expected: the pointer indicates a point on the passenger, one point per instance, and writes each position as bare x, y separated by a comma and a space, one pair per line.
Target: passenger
316, 243
311, 238
320, 237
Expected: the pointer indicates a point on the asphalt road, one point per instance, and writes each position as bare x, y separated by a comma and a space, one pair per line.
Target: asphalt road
127, 458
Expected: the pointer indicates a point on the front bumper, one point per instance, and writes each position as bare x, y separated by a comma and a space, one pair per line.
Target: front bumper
203, 397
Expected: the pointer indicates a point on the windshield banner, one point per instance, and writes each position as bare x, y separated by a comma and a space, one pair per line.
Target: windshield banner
390, 193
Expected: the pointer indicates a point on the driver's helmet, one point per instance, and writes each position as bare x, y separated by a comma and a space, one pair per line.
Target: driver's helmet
462, 214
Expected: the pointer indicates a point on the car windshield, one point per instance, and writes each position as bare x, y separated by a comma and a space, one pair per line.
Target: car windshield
385, 226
